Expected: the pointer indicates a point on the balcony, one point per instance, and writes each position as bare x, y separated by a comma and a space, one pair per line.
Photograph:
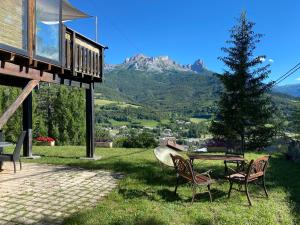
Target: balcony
33, 36
82, 56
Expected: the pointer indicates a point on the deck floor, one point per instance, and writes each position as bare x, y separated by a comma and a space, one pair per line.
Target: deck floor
46, 194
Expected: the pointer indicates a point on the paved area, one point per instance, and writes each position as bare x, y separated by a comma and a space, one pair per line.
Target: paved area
45, 195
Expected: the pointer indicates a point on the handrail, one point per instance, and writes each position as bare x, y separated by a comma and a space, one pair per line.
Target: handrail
82, 55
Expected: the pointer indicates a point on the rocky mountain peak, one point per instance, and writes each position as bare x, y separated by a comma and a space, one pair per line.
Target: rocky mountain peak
198, 66
157, 64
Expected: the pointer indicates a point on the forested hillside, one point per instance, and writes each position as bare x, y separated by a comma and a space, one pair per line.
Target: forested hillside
128, 96
58, 112
173, 92
176, 93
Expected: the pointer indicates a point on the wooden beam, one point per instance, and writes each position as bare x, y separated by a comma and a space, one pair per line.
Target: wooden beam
31, 29
12, 109
10, 69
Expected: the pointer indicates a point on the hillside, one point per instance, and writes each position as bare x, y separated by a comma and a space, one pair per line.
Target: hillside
292, 89
163, 85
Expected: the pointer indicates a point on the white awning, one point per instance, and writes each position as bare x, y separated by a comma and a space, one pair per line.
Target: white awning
69, 12
48, 11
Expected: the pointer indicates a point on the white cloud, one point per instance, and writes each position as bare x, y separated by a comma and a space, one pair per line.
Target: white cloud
271, 60
298, 78
262, 59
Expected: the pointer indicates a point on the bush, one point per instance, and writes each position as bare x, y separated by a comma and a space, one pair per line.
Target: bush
102, 135
119, 142
294, 151
137, 140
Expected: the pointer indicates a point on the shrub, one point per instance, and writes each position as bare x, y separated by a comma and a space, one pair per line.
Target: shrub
294, 151
44, 139
119, 142
137, 140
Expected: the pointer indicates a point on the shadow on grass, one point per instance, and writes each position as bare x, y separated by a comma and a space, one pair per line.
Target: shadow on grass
135, 193
139, 221
201, 195
285, 174
129, 220
147, 172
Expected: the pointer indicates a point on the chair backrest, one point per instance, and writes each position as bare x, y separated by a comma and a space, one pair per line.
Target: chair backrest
183, 167
16, 154
163, 155
234, 149
173, 145
257, 168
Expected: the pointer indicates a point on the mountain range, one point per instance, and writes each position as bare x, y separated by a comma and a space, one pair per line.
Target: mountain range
167, 86
160, 64
291, 89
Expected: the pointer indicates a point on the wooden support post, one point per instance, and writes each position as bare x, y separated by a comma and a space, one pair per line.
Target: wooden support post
90, 121
12, 109
1, 149
27, 126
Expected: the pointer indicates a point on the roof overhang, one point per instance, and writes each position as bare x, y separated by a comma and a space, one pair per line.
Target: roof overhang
51, 9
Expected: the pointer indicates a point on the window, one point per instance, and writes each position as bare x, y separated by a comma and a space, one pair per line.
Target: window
13, 23
48, 17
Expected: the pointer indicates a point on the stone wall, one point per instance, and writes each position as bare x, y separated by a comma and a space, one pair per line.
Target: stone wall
13, 28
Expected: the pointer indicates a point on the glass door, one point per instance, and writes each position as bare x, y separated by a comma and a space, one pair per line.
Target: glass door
48, 30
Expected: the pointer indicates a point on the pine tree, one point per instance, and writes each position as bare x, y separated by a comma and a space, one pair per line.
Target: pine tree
245, 110
295, 121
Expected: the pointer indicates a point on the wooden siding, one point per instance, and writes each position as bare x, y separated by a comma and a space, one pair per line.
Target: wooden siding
13, 23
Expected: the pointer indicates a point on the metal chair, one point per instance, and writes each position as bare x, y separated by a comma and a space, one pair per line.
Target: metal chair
234, 150
16, 154
255, 173
184, 169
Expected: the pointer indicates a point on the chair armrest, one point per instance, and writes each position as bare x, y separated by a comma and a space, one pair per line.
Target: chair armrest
207, 173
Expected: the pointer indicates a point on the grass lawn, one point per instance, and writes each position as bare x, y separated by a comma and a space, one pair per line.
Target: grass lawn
144, 123
148, 123
199, 120
145, 196
103, 102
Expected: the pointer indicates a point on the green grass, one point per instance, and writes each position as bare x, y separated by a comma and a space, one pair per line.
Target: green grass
148, 123
145, 123
165, 122
145, 196
118, 123
198, 120
103, 102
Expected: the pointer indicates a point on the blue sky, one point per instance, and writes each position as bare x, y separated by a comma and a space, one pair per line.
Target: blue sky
187, 30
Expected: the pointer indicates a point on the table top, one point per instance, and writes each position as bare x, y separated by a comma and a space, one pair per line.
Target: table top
216, 157
5, 144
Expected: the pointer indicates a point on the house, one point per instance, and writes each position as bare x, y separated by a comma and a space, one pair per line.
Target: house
36, 46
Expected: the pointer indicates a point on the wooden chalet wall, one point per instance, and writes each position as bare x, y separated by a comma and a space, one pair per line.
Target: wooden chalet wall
13, 23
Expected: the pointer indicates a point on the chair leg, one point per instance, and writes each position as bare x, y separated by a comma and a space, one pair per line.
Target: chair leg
225, 168
194, 193
15, 169
177, 182
247, 193
208, 186
264, 186
20, 164
231, 183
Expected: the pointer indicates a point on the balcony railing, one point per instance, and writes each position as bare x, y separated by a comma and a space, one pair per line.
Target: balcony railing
82, 56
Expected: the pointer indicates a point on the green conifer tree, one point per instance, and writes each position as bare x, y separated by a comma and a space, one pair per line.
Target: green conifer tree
245, 111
